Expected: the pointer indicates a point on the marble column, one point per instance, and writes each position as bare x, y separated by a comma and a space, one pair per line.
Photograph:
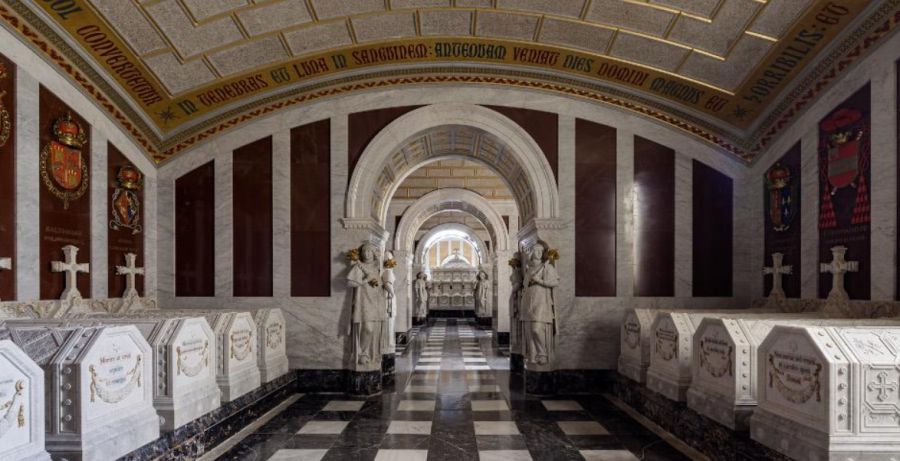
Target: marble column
99, 217
27, 257
403, 303
281, 214
625, 219
224, 221
884, 183
501, 315
684, 211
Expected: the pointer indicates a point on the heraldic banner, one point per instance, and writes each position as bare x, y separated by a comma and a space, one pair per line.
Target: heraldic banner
781, 198
844, 190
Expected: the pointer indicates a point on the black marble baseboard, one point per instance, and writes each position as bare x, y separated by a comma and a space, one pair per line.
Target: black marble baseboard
516, 363
585, 381
703, 434
364, 382
388, 370
419, 321
451, 313
540, 382
501, 338
485, 322
401, 338
195, 438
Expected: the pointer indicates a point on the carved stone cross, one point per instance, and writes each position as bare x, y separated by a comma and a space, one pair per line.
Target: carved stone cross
837, 268
777, 270
71, 267
130, 271
884, 387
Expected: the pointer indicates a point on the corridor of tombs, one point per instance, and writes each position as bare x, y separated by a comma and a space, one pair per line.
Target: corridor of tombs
467, 230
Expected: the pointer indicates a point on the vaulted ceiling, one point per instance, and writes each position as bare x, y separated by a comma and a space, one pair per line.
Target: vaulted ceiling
183, 70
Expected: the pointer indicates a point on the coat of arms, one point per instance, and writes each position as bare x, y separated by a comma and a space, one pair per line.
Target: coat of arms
846, 156
63, 170
5, 118
780, 199
126, 207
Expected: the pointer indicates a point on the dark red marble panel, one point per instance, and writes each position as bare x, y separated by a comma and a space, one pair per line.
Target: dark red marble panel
311, 209
845, 178
595, 209
363, 126
542, 126
195, 235
253, 219
122, 240
713, 208
8, 176
782, 213
654, 211
61, 226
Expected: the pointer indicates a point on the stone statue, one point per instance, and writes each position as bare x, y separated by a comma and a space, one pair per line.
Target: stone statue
515, 298
482, 306
538, 311
370, 305
388, 279
421, 288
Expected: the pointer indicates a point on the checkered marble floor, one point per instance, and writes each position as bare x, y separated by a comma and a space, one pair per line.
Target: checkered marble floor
453, 401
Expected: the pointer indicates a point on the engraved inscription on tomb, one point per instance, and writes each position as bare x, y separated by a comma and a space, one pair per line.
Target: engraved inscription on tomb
796, 377
666, 344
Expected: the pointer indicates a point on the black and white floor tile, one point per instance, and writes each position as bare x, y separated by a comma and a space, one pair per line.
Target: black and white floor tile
452, 402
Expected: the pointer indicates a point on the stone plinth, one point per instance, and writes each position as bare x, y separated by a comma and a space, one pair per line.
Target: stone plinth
829, 393
21, 406
99, 399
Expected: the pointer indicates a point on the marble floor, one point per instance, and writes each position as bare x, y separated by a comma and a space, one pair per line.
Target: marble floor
451, 401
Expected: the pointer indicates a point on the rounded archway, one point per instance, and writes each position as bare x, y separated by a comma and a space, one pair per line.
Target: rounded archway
444, 131
432, 236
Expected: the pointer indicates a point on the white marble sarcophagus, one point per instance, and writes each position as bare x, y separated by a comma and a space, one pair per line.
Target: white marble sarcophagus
99, 404
184, 362
237, 369
725, 362
829, 393
271, 338
635, 342
21, 406
671, 349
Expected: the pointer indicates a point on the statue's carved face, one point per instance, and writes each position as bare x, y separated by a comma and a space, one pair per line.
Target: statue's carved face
537, 253
367, 253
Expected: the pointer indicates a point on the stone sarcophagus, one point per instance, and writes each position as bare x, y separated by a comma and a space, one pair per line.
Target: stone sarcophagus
21, 406
725, 362
99, 400
184, 363
272, 335
236, 353
635, 343
671, 349
829, 392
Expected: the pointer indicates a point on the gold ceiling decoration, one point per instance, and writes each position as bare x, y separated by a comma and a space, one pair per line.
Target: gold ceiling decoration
188, 69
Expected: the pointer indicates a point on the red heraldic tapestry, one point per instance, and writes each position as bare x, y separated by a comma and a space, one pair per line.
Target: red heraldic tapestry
7, 179
65, 207
844, 178
125, 198
781, 196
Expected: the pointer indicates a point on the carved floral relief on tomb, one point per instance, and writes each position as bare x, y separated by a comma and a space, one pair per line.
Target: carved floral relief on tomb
666, 342
716, 353
7, 178
794, 375
115, 371
14, 412
125, 199
65, 208
844, 178
781, 184
192, 357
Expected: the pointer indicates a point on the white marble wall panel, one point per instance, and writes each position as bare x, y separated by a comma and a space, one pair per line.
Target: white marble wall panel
625, 219
684, 230
884, 183
224, 222
27, 258
281, 213
100, 217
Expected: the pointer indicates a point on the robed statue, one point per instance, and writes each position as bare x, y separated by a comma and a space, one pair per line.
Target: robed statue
421, 288
370, 305
482, 306
538, 310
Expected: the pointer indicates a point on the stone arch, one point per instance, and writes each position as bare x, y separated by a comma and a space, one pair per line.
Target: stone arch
450, 199
419, 255
452, 130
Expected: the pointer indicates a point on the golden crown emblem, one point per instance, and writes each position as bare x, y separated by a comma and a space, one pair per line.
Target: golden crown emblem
69, 132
